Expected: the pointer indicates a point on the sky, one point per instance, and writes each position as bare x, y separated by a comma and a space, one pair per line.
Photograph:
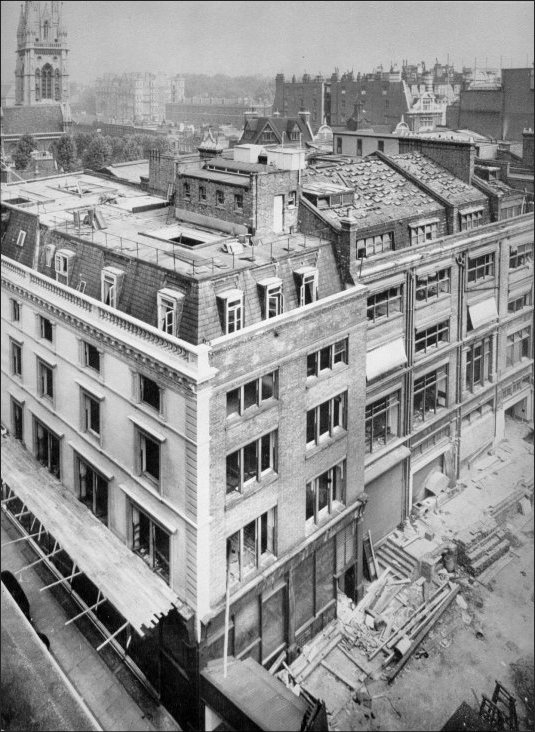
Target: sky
238, 37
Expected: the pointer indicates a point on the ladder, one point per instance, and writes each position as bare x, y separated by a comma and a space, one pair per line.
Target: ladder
500, 711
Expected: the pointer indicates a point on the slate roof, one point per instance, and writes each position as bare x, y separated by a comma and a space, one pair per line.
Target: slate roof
381, 193
236, 166
254, 127
438, 179
32, 119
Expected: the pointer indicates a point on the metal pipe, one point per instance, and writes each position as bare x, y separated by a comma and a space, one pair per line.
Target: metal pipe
60, 581
112, 636
21, 538
37, 561
84, 612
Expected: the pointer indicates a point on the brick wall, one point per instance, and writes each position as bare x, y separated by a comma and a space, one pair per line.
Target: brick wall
457, 157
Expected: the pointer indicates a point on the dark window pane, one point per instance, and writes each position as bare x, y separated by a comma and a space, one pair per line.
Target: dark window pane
311, 423
249, 461
233, 471
325, 358
310, 500
324, 418
250, 394
268, 386
150, 392
323, 490
311, 364
233, 402
265, 455
152, 458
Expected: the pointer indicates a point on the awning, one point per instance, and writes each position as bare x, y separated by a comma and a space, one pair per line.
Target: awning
385, 358
385, 463
123, 578
436, 482
483, 312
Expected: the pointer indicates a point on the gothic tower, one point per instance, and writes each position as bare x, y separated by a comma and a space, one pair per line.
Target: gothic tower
41, 75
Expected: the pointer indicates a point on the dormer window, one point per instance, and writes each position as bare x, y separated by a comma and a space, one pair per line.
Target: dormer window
63, 262
423, 231
307, 283
111, 280
169, 305
273, 299
20, 238
231, 302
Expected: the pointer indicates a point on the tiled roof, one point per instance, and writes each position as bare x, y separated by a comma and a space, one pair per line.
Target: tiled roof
381, 193
33, 119
437, 178
255, 127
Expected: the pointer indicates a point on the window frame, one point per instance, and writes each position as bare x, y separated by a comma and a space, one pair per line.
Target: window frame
233, 311
307, 287
260, 399
518, 346
386, 405
525, 298
21, 237
470, 220
374, 244
521, 255
94, 489
388, 300
484, 362
15, 310
152, 556
46, 329
422, 233
336, 418
437, 285
259, 472
423, 385
482, 267
45, 368
273, 300
141, 378
238, 201
314, 359
88, 402
86, 345
141, 437
260, 554
50, 436
431, 338
219, 198
331, 478
15, 357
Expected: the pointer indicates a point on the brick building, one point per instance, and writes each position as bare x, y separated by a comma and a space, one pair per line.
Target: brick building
229, 393
201, 111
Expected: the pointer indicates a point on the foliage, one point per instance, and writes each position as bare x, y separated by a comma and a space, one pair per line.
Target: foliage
65, 153
98, 153
22, 155
131, 149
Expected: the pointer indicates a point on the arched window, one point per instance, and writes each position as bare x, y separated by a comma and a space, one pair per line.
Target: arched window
57, 86
46, 82
37, 83
45, 30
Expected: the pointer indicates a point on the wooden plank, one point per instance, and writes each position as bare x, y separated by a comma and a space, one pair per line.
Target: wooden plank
319, 658
354, 660
339, 675
373, 553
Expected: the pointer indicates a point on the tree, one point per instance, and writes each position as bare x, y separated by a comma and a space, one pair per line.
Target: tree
23, 152
132, 150
98, 154
65, 154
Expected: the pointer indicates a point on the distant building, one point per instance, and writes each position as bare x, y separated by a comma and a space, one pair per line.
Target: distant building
136, 97
200, 111
276, 130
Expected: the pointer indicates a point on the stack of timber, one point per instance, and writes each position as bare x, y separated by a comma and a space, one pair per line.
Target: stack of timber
315, 652
391, 554
480, 545
508, 506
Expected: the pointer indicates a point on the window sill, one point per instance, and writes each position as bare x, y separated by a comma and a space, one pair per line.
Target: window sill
311, 526
312, 450
371, 457
325, 374
251, 489
432, 300
235, 419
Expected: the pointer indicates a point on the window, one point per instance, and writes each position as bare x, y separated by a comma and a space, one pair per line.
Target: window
232, 310
324, 492
45, 329
292, 197
47, 448
519, 302
109, 290
151, 543
430, 394
149, 392
381, 143
252, 394
249, 546
516, 385
478, 364
307, 282
16, 357
45, 381
202, 193
17, 420
63, 265
432, 337
432, 285
20, 238
187, 191
359, 144
480, 268
169, 303
384, 304
90, 414
46, 82
148, 456
375, 244
91, 356
251, 462
238, 201
471, 220
15, 311
327, 358
420, 233
273, 299
326, 419
338, 145
520, 255
93, 490
518, 346
382, 422
220, 198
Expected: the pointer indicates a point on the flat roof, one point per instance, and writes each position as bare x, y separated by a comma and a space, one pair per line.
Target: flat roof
242, 181
124, 579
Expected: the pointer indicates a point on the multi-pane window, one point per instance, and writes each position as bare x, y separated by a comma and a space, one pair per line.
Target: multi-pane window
471, 220
231, 303
273, 304
251, 462
510, 212
151, 543
17, 420
238, 201
149, 392
109, 290
61, 267
520, 255
375, 244
326, 419
93, 490
16, 358
47, 448
91, 356
168, 303
518, 346
327, 358
430, 394
148, 456
252, 394
90, 414
478, 363
324, 492
186, 191
432, 337
202, 193
45, 379
384, 304
307, 282
481, 267
20, 238
382, 422
46, 330
250, 545
519, 302
15, 311
421, 233
220, 198
432, 285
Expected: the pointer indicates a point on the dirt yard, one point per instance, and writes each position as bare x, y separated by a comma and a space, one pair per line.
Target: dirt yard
470, 647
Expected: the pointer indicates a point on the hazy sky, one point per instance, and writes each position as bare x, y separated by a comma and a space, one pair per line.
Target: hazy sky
238, 37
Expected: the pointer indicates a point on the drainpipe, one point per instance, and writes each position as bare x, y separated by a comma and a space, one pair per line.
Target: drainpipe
408, 401
461, 261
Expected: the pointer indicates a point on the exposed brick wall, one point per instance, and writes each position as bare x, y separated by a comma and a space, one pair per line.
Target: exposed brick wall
457, 157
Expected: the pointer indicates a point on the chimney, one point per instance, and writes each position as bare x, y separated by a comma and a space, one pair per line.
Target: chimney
304, 115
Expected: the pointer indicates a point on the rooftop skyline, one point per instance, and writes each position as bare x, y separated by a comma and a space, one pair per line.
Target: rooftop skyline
211, 37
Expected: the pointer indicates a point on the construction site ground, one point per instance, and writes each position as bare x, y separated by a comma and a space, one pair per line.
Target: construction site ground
485, 633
